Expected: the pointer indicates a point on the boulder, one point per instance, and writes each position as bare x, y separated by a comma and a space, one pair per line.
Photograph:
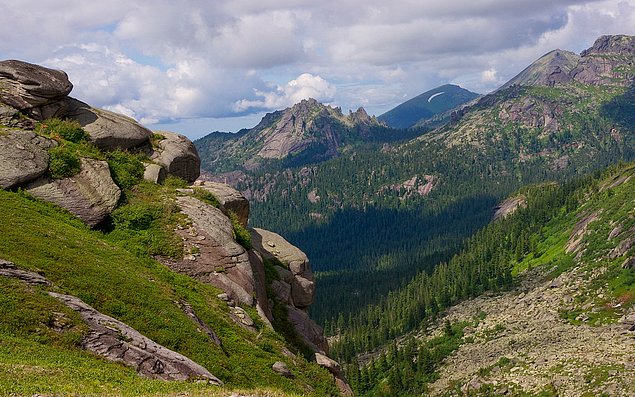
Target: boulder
274, 246
26, 86
107, 130
281, 368
91, 195
229, 198
177, 155
336, 370
24, 157
119, 342
9, 269
154, 173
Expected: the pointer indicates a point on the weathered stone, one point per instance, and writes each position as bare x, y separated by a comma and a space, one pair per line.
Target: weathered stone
25, 86
243, 316
189, 311
107, 130
9, 269
154, 173
629, 263
281, 368
260, 283
119, 342
509, 206
603, 64
282, 291
302, 291
23, 157
229, 198
177, 155
91, 195
308, 329
336, 370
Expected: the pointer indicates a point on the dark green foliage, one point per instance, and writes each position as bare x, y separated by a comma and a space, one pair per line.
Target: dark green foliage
206, 196
63, 162
241, 234
126, 168
69, 130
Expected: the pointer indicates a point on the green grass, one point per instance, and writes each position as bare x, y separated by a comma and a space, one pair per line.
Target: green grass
120, 280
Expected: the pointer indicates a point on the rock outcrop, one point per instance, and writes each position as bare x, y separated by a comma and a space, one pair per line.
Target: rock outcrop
229, 198
177, 155
604, 63
118, 342
25, 86
24, 157
336, 370
91, 195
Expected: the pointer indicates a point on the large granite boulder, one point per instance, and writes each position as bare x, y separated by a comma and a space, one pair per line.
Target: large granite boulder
229, 198
274, 246
107, 130
177, 155
91, 195
336, 370
24, 157
26, 86
312, 333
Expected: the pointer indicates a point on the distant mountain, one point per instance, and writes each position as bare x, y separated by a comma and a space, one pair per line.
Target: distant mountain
550, 69
306, 132
427, 105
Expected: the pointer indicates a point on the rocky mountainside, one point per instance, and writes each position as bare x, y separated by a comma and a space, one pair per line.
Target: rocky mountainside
424, 106
565, 325
304, 133
361, 218
169, 282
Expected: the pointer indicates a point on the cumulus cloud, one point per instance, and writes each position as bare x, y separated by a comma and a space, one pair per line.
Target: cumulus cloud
303, 87
162, 60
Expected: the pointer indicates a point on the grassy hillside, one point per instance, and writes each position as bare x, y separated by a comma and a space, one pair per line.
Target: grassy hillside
571, 253
115, 275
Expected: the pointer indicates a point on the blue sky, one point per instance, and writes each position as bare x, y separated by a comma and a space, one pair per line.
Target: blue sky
195, 66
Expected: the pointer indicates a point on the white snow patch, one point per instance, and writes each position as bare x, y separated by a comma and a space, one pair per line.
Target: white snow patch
435, 95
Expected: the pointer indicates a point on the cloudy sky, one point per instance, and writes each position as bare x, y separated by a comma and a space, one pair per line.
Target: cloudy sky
195, 66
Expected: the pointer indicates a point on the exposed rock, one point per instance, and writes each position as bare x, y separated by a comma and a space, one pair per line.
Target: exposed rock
260, 287
91, 195
282, 291
26, 86
336, 370
509, 206
9, 269
281, 368
579, 231
229, 198
177, 155
242, 316
154, 173
107, 130
274, 246
603, 64
24, 157
308, 329
551, 69
118, 342
629, 263
622, 248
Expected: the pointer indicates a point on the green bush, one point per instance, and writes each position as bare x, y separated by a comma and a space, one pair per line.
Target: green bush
126, 168
63, 162
57, 129
206, 196
241, 234
137, 216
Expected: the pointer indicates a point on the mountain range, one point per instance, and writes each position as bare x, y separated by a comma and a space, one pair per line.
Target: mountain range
486, 248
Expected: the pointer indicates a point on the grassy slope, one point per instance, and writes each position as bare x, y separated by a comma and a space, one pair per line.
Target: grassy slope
132, 288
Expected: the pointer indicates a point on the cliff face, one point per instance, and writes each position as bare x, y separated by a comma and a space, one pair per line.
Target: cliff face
32, 99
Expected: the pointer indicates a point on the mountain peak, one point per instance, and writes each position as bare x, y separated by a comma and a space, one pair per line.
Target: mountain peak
550, 69
612, 44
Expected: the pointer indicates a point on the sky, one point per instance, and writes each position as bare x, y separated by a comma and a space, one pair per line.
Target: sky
194, 66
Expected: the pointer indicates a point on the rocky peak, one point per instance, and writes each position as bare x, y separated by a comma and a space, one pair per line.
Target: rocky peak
551, 69
360, 116
617, 44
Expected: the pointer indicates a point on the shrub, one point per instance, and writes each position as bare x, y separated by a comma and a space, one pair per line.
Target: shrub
126, 168
63, 162
135, 216
58, 129
206, 196
241, 234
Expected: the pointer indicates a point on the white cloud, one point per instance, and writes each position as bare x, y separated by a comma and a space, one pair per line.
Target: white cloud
160, 59
303, 87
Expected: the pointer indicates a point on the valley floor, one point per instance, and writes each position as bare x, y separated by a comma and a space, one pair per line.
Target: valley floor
523, 346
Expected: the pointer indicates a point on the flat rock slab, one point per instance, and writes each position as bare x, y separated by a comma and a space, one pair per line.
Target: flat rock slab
23, 157
9, 269
91, 195
119, 342
25, 86
107, 130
